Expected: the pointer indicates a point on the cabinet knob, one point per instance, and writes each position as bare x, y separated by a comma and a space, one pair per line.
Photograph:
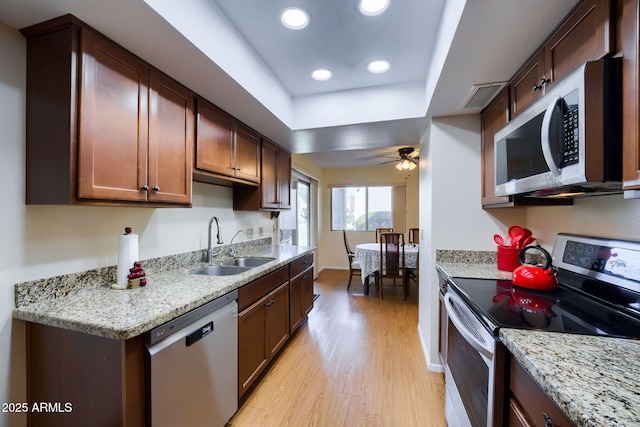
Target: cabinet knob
156, 188
543, 81
145, 187
548, 422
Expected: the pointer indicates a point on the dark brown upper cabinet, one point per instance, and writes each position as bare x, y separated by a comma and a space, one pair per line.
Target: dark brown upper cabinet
225, 147
586, 34
274, 192
103, 127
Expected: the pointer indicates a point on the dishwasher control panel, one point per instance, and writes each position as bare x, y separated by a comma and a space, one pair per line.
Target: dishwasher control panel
165, 330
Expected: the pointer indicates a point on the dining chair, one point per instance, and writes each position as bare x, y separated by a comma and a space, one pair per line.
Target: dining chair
414, 236
379, 231
412, 274
392, 261
354, 265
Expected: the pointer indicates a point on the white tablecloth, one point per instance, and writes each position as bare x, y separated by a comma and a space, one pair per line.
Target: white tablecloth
368, 255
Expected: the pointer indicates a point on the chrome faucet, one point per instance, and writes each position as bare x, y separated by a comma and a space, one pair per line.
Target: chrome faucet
234, 236
209, 252
232, 251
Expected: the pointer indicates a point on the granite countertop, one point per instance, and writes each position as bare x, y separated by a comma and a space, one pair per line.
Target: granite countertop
474, 271
123, 314
594, 380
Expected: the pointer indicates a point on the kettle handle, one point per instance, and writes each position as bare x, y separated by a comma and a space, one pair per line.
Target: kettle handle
547, 255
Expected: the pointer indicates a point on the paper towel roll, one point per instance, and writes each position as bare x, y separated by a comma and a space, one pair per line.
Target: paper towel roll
127, 254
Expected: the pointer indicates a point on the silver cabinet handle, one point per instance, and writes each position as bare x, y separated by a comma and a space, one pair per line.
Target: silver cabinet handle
145, 187
156, 188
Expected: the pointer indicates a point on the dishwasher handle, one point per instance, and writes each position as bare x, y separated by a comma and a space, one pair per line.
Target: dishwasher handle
199, 333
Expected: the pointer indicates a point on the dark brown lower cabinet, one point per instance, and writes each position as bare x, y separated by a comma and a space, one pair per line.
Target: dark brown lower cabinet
263, 325
528, 404
77, 379
300, 291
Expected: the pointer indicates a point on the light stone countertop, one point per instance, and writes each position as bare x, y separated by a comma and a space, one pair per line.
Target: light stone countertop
594, 380
122, 314
475, 271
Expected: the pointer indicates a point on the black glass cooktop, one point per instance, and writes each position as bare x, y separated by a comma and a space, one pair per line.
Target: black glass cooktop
499, 304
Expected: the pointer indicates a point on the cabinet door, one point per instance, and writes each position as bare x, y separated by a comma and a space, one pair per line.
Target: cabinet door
277, 319
215, 139
527, 85
533, 406
269, 183
296, 312
493, 117
630, 103
112, 143
300, 298
284, 179
247, 154
307, 291
586, 35
252, 344
442, 330
170, 140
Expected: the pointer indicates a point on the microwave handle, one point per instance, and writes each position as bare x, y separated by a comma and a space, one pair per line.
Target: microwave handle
544, 137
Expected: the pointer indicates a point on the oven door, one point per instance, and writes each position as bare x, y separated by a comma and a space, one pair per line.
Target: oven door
469, 368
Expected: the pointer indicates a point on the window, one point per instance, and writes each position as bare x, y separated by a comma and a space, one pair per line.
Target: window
367, 208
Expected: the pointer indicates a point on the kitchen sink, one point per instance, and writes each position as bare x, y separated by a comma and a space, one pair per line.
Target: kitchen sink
248, 261
221, 270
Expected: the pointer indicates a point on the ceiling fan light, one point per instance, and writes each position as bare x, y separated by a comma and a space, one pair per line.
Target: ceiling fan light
406, 164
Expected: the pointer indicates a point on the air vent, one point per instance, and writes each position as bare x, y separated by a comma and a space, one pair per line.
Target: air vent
482, 94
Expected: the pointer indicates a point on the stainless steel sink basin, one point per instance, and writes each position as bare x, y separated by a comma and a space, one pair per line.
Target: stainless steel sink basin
221, 270
248, 261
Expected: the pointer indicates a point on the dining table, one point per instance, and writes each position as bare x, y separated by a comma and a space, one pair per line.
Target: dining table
368, 256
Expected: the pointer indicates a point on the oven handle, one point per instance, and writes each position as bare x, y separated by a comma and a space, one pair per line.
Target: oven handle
459, 324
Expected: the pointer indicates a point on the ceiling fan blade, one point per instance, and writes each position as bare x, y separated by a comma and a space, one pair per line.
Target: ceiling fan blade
390, 161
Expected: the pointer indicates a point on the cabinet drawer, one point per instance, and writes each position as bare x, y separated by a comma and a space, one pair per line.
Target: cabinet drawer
252, 292
301, 264
533, 405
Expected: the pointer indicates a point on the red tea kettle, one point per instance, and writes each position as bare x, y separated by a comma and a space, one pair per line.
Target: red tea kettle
533, 276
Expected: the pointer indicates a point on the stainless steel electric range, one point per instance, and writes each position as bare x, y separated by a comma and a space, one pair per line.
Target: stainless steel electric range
598, 293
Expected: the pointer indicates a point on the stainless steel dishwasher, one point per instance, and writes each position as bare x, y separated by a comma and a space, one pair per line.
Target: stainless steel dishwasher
192, 367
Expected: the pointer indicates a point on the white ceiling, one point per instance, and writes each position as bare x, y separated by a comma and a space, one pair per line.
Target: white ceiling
238, 55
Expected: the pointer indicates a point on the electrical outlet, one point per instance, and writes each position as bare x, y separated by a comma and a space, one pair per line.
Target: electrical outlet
261, 230
249, 233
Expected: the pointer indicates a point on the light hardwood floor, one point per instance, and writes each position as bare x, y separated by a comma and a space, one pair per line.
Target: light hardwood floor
356, 362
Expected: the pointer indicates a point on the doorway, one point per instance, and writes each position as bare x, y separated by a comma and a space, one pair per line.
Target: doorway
295, 224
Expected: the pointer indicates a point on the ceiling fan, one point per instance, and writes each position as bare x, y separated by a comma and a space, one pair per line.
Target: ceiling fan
406, 160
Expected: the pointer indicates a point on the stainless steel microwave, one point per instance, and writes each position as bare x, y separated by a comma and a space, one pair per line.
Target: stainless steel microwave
569, 142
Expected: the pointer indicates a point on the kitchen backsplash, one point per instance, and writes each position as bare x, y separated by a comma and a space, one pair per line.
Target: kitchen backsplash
466, 257
59, 286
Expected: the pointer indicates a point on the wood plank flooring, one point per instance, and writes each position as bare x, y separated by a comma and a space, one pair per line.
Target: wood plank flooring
356, 362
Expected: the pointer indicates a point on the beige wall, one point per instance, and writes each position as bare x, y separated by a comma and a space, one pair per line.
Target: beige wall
330, 244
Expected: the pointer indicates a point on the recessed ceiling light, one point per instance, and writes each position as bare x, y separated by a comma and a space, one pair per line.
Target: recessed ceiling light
373, 7
321, 74
294, 18
378, 66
